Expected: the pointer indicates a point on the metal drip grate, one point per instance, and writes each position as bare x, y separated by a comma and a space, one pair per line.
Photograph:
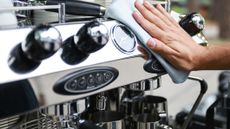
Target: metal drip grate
56, 116
8, 122
40, 123
30, 121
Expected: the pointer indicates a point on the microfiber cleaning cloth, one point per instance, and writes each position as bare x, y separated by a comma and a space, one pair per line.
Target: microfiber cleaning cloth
121, 10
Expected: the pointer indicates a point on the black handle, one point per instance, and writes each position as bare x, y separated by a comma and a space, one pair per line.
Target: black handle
152, 65
77, 7
42, 42
92, 36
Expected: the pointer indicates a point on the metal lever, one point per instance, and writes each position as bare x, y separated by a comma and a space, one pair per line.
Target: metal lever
203, 89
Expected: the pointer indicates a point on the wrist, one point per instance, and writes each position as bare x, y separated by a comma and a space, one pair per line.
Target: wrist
202, 58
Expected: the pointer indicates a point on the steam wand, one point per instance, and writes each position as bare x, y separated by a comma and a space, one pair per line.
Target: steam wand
203, 87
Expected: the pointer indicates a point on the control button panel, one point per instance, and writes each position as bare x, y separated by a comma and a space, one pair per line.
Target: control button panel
85, 80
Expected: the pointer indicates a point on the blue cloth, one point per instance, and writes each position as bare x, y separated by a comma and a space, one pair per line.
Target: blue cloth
121, 10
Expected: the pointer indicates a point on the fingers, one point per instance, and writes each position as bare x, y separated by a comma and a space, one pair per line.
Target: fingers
159, 16
152, 29
156, 12
159, 47
166, 14
159, 24
147, 14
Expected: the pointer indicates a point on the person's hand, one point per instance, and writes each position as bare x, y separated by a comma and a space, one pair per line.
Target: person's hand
169, 39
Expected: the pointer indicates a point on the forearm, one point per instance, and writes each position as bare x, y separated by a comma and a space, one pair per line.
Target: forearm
216, 57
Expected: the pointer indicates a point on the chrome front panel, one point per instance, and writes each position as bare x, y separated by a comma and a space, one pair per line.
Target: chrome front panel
10, 38
130, 70
42, 79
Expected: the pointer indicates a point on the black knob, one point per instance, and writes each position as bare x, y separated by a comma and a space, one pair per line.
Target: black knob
192, 23
90, 38
70, 53
152, 65
42, 42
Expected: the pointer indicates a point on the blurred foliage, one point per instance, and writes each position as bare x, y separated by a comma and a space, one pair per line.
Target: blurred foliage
179, 9
206, 2
203, 2
180, 6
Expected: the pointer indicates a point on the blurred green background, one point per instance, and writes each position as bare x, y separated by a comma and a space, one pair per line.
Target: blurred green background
216, 14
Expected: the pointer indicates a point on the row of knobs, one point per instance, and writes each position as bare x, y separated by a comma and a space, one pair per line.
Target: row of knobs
44, 41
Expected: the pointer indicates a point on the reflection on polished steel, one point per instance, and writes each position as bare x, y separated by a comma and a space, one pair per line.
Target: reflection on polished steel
199, 21
105, 101
192, 23
99, 33
48, 66
42, 42
101, 101
107, 119
60, 8
91, 37
151, 105
54, 117
46, 37
145, 85
201, 39
104, 110
118, 124
146, 121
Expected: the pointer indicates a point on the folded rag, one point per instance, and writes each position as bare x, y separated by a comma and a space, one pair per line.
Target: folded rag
121, 10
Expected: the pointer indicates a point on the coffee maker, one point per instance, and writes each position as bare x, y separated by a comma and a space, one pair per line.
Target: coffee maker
80, 71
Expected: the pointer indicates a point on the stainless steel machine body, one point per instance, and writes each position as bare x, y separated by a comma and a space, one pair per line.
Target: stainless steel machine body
66, 75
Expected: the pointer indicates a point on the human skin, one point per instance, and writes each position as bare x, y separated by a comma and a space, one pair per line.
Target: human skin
175, 45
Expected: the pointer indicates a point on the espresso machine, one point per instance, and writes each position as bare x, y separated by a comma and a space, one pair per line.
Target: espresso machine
79, 70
